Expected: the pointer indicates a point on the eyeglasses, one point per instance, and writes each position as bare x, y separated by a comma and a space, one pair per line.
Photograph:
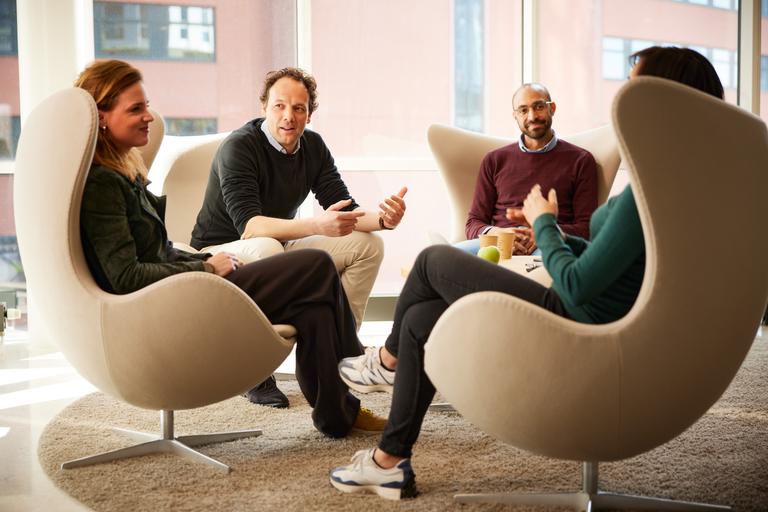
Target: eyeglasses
538, 107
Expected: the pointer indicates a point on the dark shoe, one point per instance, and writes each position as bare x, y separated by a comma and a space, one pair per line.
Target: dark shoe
268, 394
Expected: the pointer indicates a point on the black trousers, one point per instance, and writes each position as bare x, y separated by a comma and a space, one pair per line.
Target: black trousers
302, 288
441, 275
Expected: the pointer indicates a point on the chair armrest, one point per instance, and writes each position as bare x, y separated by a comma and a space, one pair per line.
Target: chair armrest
527, 376
195, 330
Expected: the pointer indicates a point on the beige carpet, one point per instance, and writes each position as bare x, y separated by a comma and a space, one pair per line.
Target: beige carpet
722, 459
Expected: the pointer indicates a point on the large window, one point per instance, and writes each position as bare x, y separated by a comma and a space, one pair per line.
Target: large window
8, 40
203, 61
386, 77
11, 273
764, 62
148, 31
469, 60
583, 48
388, 69
10, 128
9, 83
12, 279
731, 5
764, 73
187, 126
616, 52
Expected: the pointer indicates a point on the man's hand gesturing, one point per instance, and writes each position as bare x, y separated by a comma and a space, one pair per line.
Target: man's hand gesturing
334, 222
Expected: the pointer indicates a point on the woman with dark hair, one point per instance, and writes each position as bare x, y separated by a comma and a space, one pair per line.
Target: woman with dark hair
127, 248
593, 281
682, 65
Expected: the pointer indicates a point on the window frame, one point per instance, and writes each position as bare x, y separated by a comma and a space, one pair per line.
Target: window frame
156, 22
526, 58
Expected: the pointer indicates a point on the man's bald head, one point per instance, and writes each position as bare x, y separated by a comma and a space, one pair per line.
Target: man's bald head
534, 86
534, 108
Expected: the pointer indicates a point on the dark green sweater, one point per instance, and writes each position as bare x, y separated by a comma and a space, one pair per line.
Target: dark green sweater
124, 237
249, 177
597, 281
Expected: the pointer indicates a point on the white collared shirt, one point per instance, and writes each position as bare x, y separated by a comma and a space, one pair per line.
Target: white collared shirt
548, 147
273, 141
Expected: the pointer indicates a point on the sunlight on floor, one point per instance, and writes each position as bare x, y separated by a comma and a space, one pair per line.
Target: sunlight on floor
36, 382
35, 395
16, 375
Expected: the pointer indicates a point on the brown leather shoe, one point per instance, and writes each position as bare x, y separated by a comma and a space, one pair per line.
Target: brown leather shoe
367, 421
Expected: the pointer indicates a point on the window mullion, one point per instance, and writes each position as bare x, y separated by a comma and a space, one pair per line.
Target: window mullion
749, 56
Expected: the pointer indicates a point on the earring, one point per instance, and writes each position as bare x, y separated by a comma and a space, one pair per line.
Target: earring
104, 128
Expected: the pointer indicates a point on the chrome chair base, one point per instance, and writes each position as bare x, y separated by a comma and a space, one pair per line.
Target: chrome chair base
589, 498
588, 502
167, 443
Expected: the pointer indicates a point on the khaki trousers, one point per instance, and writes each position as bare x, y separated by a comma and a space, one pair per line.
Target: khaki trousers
357, 258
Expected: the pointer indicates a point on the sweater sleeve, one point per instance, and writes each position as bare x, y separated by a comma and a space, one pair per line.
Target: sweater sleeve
480, 213
584, 196
579, 278
328, 187
179, 255
239, 174
110, 245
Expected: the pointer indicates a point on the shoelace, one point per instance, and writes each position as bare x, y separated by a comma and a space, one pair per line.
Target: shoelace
371, 361
358, 458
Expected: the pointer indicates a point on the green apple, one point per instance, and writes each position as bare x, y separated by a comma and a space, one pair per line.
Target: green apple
490, 253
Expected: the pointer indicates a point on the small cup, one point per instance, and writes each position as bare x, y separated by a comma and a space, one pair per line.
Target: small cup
486, 240
506, 244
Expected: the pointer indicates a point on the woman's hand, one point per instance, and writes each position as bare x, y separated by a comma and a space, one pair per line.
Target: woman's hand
535, 204
224, 263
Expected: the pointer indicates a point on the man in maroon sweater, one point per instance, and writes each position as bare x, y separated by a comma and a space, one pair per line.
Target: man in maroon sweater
539, 157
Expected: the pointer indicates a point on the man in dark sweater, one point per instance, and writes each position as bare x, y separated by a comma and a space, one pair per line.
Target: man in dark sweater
260, 176
539, 157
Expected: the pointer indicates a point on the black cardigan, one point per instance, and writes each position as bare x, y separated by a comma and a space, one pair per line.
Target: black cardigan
124, 238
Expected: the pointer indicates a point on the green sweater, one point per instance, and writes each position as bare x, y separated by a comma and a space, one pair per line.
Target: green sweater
597, 281
124, 237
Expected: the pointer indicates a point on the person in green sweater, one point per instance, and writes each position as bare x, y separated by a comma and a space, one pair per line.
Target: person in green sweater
593, 282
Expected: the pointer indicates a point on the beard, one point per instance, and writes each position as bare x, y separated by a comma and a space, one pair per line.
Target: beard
537, 132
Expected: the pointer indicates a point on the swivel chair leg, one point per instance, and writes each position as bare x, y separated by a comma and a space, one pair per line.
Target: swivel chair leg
167, 443
589, 498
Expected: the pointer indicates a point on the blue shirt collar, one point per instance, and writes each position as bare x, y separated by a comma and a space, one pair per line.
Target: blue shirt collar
273, 142
549, 147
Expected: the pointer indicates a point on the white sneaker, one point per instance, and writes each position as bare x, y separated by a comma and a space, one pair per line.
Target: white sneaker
365, 373
364, 475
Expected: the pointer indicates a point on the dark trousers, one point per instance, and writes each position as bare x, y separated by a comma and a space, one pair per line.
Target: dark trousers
441, 275
302, 288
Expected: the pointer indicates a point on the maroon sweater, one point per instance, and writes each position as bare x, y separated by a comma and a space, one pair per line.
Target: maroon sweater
508, 174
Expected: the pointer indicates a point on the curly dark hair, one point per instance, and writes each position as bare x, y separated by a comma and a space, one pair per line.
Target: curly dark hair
297, 74
682, 65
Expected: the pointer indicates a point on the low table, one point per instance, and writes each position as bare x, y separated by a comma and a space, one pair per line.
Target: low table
521, 264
